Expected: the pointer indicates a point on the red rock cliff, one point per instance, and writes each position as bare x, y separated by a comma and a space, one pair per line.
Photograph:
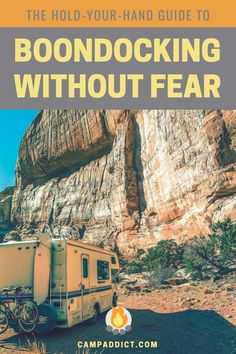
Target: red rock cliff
127, 178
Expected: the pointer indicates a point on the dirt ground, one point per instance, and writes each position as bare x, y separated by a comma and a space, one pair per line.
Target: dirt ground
205, 296
195, 318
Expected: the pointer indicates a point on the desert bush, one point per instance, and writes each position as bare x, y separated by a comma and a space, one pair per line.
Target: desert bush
196, 253
122, 261
166, 254
137, 265
203, 257
224, 240
134, 267
140, 253
159, 275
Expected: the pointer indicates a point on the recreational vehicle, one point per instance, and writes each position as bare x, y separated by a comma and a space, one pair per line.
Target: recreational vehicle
71, 281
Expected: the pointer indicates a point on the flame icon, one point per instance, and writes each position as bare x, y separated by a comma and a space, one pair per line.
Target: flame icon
118, 318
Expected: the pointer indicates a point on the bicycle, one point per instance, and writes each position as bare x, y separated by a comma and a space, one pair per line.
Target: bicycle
23, 314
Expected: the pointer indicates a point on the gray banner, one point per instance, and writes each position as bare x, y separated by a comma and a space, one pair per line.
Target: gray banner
225, 68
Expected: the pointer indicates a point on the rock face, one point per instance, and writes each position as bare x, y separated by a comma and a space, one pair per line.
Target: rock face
126, 178
5, 208
60, 141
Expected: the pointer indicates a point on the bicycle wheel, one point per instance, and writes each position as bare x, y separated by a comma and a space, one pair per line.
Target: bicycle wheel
28, 313
4, 323
26, 328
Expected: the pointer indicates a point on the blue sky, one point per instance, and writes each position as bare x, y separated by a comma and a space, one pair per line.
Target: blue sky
13, 124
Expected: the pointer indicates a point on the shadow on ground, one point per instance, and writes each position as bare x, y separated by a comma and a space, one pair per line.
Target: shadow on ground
188, 332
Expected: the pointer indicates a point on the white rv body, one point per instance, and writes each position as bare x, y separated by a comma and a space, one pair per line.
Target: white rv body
17, 263
80, 276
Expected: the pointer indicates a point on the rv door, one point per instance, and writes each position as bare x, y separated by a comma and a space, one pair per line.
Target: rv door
85, 286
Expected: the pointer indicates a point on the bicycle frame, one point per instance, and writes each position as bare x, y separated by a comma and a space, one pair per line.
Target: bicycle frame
5, 305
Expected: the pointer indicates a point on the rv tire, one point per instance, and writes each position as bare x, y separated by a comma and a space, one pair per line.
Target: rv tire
47, 319
93, 319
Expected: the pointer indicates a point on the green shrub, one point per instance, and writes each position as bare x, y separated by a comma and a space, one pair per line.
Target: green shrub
140, 253
122, 261
204, 257
134, 267
166, 254
224, 241
201, 257
137, 265
159, 275
195, 258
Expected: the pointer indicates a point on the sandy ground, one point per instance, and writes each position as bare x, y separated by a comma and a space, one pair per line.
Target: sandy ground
204, 296
186, 319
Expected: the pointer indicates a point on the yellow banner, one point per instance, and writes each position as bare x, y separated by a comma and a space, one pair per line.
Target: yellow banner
91, 13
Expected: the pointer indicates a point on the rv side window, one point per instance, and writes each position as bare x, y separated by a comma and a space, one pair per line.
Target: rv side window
103, 270
85, 268
113, 260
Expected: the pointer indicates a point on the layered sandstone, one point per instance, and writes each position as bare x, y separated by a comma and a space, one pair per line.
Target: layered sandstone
127, 178
5, 208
